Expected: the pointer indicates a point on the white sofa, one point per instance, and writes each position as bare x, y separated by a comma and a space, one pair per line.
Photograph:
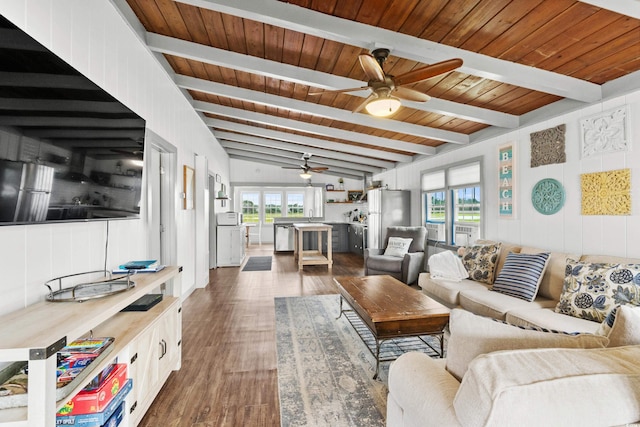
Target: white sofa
585, 385
477, 298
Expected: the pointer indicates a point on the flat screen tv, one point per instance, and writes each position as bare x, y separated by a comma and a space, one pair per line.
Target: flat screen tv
69, 151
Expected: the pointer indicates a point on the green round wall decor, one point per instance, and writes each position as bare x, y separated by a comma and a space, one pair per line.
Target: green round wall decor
547, 196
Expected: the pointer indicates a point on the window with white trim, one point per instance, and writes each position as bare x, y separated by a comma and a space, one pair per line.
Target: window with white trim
295, 204
272, 206
250, 206
452, 204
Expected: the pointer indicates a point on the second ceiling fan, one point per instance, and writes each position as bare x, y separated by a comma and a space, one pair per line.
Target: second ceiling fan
387, 90
306, 168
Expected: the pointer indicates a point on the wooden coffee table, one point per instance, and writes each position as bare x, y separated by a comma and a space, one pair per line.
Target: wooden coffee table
392, 309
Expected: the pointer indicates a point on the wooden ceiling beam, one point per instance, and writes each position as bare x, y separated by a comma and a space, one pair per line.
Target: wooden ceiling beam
275, 161
305, 140
291, 161
223, 58
353, 33
300, 126
316, 151
298, 154
289, 104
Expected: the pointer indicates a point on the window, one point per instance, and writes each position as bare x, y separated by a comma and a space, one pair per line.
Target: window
272, 206
452, 205
436, 208
250, 207
295, 204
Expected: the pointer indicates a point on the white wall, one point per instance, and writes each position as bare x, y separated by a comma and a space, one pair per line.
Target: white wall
93, 37
567, 230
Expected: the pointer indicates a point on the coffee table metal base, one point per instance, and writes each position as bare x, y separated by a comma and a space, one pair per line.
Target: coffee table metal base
380, 341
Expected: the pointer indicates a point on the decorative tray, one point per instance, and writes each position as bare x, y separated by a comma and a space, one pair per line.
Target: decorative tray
88, 290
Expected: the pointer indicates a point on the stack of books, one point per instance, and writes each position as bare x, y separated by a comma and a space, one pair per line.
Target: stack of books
132, 267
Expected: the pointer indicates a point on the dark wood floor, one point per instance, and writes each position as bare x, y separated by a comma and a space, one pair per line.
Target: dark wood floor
229, 375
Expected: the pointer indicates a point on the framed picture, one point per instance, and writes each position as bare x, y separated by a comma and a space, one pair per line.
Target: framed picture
506, 186
188, 182
354, 195
218, 178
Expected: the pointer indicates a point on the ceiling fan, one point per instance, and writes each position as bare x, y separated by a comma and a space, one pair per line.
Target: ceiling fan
387, 90
306, 169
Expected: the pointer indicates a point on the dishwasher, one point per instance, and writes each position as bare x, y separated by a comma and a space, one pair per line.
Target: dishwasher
284, 235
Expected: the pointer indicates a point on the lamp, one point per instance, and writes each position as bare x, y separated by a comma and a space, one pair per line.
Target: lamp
383, 107
305, 175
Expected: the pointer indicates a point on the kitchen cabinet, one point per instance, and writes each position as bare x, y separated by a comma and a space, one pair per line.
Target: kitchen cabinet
339, 237
37, 332
357, 238
230, 245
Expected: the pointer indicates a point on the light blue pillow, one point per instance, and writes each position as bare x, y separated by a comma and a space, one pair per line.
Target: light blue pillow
521, 275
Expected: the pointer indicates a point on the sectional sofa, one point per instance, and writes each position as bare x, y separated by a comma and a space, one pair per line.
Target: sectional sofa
562, 350
476, 296
550, 379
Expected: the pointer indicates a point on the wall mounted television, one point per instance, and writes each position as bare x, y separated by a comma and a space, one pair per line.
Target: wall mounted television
69, 151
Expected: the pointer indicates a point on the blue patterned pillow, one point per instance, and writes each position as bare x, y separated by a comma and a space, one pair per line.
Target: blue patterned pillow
521, 275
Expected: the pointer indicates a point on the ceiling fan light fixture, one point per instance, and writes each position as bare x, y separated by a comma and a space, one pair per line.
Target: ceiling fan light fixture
383, 107
305, 175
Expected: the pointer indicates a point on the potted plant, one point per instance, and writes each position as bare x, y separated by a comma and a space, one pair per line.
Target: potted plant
341, 183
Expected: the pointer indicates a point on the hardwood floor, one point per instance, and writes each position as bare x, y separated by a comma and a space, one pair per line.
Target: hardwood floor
229, 375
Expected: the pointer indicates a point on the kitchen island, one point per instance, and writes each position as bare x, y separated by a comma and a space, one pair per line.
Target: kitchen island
314, 256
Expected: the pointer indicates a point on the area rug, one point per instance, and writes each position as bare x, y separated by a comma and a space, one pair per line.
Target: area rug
258, 263
325, 371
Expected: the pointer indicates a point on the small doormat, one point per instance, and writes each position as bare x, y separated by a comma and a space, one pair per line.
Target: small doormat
258, 263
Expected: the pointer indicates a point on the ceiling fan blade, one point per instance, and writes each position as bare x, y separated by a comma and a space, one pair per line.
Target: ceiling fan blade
427, 72
410, 94
371, 67
292, 167
319, 169
352, 89
364, 103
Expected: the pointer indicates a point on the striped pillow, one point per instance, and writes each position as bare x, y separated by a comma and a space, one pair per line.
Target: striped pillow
521, 275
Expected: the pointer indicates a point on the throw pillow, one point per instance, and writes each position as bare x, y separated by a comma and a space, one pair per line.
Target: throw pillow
622, 326
473, 335
397, 246
521, 275
480, 262
591, 290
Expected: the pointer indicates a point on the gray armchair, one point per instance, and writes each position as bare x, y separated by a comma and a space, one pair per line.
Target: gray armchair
406, 268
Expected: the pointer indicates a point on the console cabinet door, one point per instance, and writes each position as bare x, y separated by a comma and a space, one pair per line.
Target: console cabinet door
144, 372
169, 341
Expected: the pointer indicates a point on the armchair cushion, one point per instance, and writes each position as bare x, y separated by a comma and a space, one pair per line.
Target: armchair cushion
385, 263
418, 234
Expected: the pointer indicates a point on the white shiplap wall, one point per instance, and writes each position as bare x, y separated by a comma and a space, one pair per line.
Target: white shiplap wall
93, 37
567, 230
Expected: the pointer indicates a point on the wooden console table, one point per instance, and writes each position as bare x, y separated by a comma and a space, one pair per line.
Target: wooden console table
312, 257
148, 342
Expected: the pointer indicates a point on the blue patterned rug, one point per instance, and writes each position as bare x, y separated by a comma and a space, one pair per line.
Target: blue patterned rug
325, 371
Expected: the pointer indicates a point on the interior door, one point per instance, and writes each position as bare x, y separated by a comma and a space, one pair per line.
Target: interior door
154, 197
212, 222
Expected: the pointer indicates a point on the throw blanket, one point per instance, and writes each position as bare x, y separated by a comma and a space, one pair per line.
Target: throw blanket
446, 265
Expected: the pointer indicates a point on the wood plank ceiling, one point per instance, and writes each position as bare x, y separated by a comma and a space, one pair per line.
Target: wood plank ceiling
249, 67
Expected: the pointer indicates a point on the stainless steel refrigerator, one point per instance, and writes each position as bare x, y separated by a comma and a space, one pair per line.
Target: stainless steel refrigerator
25, 190
387, 208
